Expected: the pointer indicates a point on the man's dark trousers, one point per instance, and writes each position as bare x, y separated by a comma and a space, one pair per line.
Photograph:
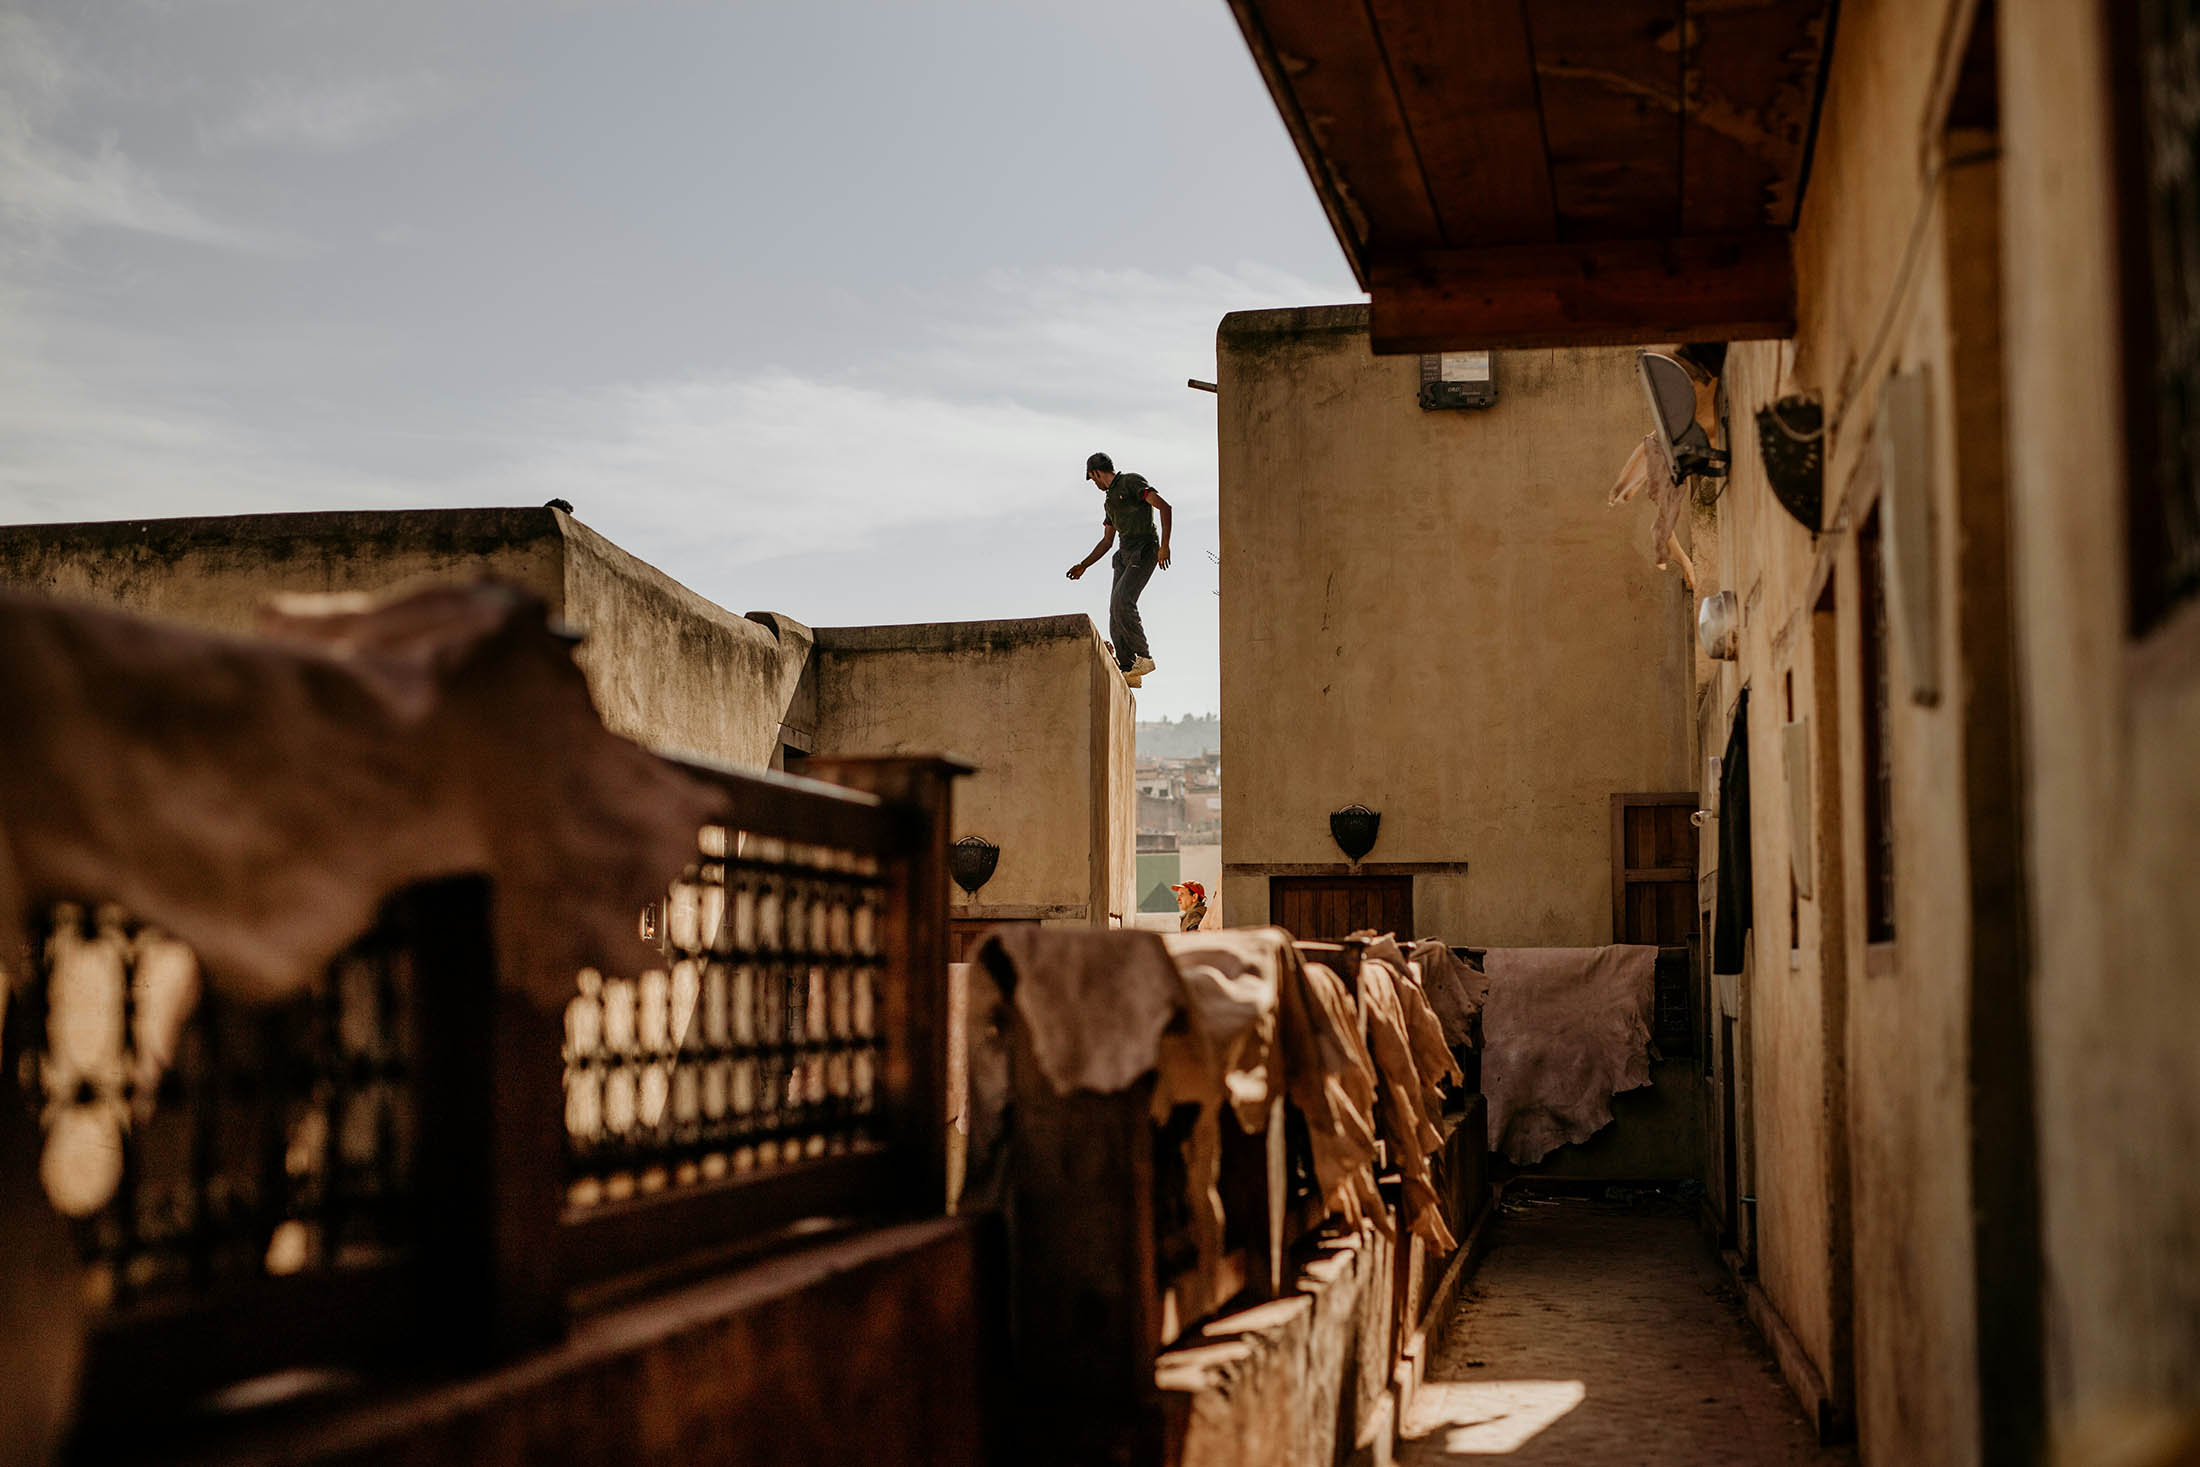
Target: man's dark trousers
1134, 564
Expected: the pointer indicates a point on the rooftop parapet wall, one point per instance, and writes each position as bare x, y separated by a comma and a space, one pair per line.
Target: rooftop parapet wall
665, 666
675, 670
958, 636
217, 571
1040, 707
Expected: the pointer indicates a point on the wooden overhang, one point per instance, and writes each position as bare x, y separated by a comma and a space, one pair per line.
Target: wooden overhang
1517, 173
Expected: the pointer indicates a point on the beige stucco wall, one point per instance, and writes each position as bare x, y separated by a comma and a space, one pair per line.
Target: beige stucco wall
1436, 615
1203, 864
1115, 794
1859, 1071
671, 669
2112, 732
1038, 706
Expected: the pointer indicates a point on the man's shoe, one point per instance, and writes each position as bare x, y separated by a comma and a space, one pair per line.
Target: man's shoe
1134, 679
1138, 670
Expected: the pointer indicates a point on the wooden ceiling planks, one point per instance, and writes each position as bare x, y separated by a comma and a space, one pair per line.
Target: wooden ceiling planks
1610, 78
1465, 80
1324, 61
1517, 173
1613, 292
1753, 73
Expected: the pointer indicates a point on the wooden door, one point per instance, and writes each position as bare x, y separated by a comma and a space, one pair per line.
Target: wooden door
1653, 869
1654, 900
1327, 908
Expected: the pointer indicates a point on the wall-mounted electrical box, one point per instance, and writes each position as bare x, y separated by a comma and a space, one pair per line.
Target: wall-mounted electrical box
1458, 379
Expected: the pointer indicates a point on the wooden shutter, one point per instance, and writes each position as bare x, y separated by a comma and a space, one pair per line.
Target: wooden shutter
1654, 901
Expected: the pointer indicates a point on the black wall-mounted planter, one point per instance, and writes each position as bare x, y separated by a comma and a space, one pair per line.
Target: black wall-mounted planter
1354, 829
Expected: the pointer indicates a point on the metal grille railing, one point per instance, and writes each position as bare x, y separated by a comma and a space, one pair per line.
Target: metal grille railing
416, 1164
757, 1045
195, 1140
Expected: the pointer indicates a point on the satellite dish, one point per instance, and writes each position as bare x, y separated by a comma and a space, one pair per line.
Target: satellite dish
1672, 396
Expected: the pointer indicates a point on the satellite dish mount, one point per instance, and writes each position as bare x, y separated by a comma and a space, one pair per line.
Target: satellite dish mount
1671, 393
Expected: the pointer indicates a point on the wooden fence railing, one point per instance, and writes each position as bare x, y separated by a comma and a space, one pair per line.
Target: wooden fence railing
414, 1167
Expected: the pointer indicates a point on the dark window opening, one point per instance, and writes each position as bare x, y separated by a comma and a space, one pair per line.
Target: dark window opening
1878, 766
2162, 308
1795, 893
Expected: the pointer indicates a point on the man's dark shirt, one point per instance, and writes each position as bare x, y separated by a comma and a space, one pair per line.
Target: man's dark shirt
1128, 511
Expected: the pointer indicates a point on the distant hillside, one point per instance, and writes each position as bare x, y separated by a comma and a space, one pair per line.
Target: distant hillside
1185, 738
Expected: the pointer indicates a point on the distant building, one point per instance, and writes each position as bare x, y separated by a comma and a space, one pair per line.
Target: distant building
1468, 642
1179, 831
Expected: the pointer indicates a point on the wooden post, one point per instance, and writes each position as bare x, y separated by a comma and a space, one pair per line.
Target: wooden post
919, 791
489, 1164
1085, 1322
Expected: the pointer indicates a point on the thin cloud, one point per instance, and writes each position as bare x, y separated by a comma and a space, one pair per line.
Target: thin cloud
53, 187
992, 417
1019, 379
284, 114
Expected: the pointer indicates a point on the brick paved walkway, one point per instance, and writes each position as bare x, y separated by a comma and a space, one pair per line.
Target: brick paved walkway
1604, 1335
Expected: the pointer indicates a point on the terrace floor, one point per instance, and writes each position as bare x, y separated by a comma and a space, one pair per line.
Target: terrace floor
1604, 1333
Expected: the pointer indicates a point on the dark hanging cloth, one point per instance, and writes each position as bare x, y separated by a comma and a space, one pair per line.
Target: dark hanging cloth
1731, 921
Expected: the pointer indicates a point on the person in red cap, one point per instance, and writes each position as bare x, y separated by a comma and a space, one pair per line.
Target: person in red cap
1191, 905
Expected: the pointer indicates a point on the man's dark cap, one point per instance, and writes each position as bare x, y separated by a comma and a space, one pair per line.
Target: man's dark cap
1099, 463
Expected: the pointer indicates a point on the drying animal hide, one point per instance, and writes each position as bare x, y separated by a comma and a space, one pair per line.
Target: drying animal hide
1095, 1001
1330, 1077
1220, 1057
259, 799
1406, 1115
1634, 475
1231, 982
1198, 1010
1454, 990
1649, 467
1432, 1055
1565, 1028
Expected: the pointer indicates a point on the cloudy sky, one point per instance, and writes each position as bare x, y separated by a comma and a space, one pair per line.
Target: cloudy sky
817, 306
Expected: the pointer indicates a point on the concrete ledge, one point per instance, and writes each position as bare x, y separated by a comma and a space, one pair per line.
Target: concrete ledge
1239, 327
277, 536
1831, 1418
1301, 1381
956, 636
866, 1349
1310, 1380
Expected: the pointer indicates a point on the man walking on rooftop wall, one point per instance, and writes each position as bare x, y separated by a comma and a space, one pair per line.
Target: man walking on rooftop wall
1131, 503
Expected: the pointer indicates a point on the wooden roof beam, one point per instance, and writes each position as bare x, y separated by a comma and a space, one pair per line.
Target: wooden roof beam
1732, 287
